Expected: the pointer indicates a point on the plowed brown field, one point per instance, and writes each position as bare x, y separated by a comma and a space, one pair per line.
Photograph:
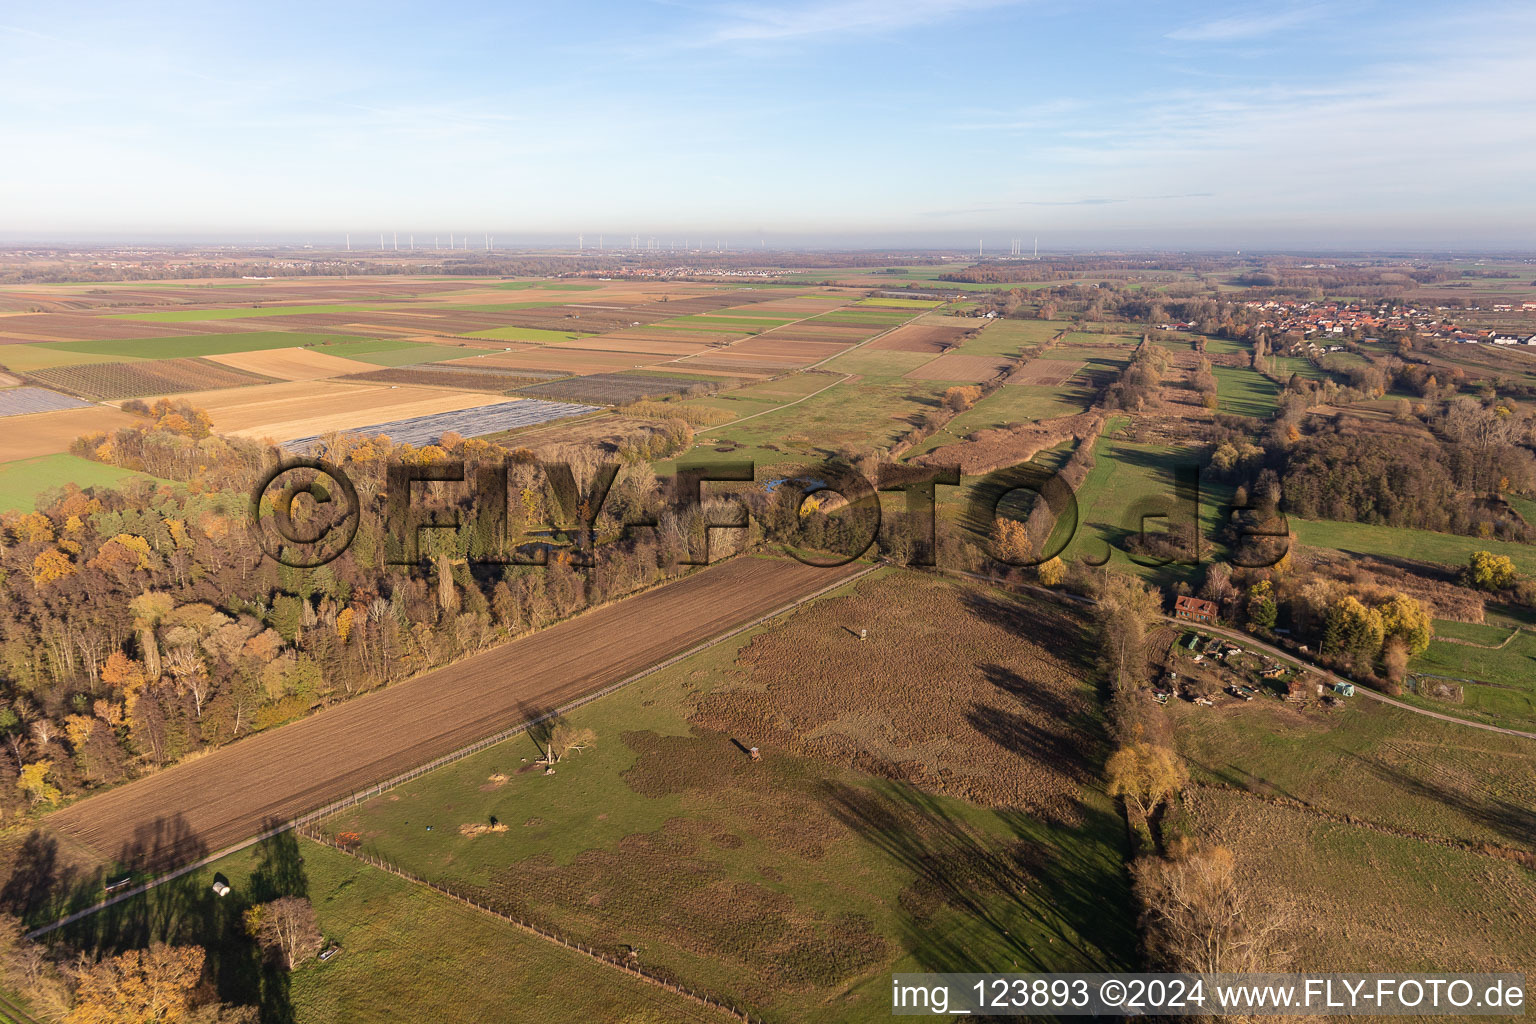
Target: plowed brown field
229, 795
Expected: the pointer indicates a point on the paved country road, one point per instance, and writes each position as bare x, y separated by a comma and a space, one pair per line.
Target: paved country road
235, 792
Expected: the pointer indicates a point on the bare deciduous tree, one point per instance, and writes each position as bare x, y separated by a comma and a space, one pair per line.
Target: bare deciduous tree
287, 930
1199, 917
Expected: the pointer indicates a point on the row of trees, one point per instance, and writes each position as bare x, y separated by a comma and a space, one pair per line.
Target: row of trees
141, 624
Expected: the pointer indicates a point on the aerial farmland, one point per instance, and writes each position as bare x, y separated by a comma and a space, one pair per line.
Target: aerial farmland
586, 808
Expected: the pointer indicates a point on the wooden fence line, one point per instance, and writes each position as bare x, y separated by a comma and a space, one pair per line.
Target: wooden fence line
374, 860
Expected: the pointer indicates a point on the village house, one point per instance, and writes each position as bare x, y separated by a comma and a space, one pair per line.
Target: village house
1195, 609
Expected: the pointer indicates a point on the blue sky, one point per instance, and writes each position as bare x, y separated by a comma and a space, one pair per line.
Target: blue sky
1356, 123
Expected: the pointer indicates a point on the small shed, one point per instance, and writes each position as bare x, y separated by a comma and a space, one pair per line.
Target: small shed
1344, 689
220, 887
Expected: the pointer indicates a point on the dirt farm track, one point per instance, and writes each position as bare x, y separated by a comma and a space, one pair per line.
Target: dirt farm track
229, 795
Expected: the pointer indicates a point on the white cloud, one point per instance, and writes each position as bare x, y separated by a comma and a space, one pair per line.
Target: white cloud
1245, 26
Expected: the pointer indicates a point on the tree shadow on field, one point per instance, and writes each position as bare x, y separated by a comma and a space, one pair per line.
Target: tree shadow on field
1054, 630
176, 911
42, 885
997, 883
1512, 823
186, 911
541, 721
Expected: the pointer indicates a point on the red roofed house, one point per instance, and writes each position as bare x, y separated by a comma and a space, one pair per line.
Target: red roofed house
1195, 609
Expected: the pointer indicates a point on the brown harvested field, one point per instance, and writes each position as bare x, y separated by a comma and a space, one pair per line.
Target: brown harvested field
724, 360
1050, 372
922, 338
443, 375
306, 408
957, 689
562, 357
107, 381
802, 351
75, 327
230, 794
958, 367
610, 388
292, 363
626, 343
47, 433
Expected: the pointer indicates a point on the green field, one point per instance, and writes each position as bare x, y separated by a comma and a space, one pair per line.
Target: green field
1129, 479
244, 312
405, 949
388, 352
554, 286
862, 316
1399, 542
1508, 697
487, 307
1244, 392
740, 877
901, 303
855, 415
527, 334
22, 481
878, 364
1012, 404
1007, 337
25, 358
197, 344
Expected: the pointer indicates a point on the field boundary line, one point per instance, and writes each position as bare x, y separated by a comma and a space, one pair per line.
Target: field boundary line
361, 796
1476, 847
372, 860
846, 377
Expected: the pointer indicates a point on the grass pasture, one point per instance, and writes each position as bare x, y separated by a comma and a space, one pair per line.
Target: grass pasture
853, 415
1507, 674
1366, 803
407, 952
1244, 392
23, 480
1007, 337
774, 884
1445, 549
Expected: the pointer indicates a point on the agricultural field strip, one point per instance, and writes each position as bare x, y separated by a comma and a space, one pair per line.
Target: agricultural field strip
24, 400
241, 790
471, 422
845, 378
